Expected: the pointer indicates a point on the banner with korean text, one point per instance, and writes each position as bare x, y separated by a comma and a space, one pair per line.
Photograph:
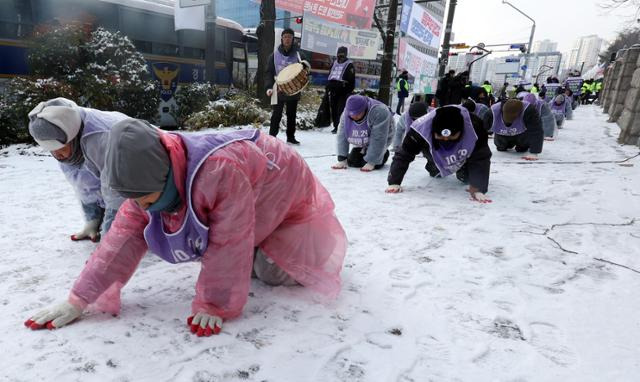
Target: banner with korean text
325, 37
421, 66
423, 27
353, 13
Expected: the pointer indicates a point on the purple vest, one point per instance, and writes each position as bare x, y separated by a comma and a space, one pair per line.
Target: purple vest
407, 122
281, 61
517, 127
191, 240
558, 109
358, 133
337, 70
450, 160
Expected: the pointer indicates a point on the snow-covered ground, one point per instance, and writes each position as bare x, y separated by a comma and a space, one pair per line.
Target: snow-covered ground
436, 287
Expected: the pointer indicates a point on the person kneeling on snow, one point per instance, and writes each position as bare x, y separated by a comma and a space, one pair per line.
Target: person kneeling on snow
214, 198
77, 137
454, 141
547, 118
367, 124
416, 110
516, 123
559, 107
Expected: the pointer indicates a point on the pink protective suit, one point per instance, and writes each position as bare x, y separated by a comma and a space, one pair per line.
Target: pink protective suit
258, 194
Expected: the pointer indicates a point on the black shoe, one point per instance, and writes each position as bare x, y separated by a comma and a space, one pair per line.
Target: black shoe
334, 131
293, 141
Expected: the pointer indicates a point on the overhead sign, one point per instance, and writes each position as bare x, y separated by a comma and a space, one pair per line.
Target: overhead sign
325, 37
353, 13
423, 27
193, 3
188, 18
415, 62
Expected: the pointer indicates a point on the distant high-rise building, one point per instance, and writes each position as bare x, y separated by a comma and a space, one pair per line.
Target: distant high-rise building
584, 53
544, 46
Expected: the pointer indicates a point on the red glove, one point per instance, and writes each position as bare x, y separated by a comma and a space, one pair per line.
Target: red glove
204, 325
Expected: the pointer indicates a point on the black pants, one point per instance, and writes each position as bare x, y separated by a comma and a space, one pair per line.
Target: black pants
356, 158
276, 116
400, 107
504, 143
338, 102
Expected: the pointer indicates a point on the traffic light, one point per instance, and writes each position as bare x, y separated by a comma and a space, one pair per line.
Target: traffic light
299, 20
523, 48
453, 54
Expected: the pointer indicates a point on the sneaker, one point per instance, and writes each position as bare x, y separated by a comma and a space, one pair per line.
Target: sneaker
293, 141
334, 131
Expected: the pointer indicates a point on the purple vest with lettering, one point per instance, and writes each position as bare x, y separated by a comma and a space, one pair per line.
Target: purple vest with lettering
499, 127
281, 61
337, 70
558, 109
407, 122
191, 240
358, 133
449, 160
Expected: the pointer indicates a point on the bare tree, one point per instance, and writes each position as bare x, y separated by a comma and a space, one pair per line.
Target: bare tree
624, 39
266, 40
611, 5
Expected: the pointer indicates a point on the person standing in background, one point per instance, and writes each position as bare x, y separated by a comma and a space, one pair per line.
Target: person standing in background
342, 81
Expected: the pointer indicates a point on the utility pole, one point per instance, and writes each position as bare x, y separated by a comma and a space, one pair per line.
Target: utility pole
387, 58
444, 55
533, 30
210, 51
266, 41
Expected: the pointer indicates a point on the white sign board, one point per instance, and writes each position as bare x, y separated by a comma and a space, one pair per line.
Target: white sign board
321, 36
193, 3
415, 62
423, 27
507, 67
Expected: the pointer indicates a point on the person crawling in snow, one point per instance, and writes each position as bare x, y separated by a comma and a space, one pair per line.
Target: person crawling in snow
244, 204
416, 110
516, 124
454, 141
77, 138
366, 124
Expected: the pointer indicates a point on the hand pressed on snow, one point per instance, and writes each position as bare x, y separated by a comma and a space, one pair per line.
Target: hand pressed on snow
54, 317
340, 165
204, 325
89, 232
478, 196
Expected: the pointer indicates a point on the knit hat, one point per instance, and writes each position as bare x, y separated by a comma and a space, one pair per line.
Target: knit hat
511, 110
136, 163
418, 109
530, 98
447, 121
287, 31
343, 50
53, 127
356, 104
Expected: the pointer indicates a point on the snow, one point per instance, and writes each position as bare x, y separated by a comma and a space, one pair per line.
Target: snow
436, 287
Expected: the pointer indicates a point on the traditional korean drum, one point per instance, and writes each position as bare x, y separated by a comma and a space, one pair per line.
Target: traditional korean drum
292, 79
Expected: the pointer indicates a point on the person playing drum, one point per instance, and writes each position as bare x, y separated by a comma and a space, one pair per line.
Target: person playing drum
286, 54
367, 124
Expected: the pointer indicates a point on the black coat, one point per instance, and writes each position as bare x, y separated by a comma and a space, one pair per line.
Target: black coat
347, 84
533, 136
478, 164
271, 72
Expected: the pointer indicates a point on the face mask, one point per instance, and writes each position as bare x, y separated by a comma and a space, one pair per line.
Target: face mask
77, 157
447, 145
169, 200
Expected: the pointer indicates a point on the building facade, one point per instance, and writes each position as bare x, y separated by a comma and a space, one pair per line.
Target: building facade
584, 54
